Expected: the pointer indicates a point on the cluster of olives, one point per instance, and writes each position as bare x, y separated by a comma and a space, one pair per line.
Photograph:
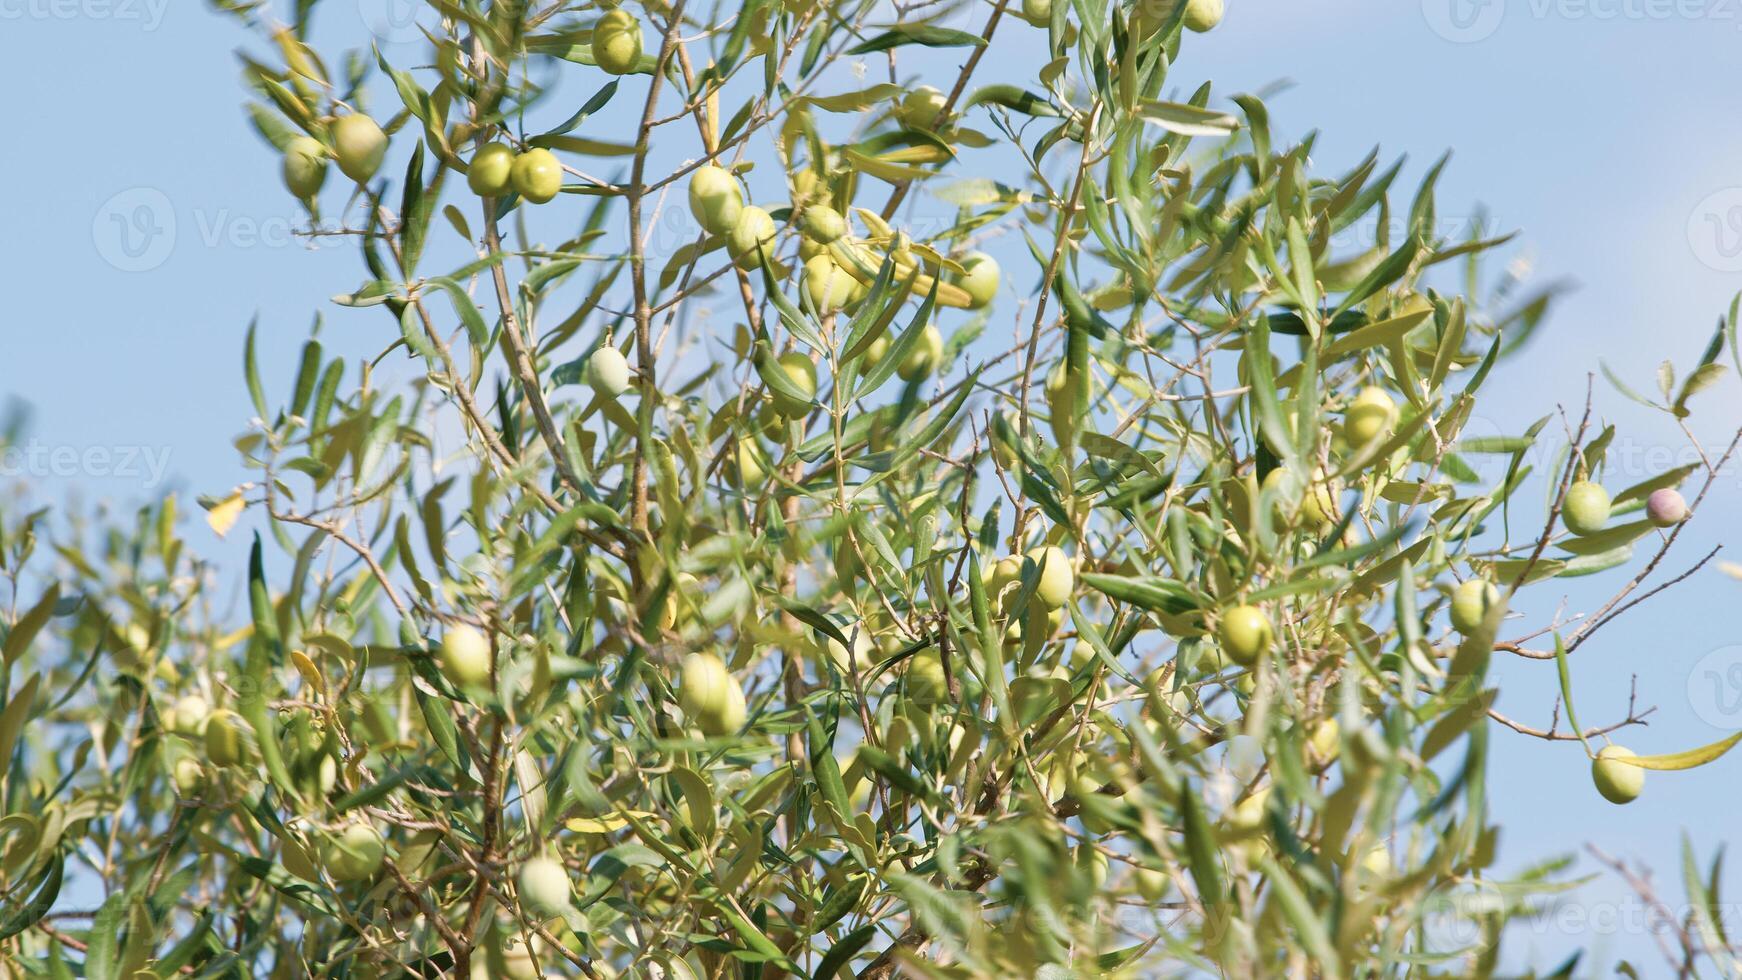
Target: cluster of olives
358, 146
496, 169
836, 268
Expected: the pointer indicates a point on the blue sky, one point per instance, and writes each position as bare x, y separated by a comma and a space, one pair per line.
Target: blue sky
1602, 129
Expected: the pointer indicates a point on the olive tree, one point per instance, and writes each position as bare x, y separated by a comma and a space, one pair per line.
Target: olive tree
813, 592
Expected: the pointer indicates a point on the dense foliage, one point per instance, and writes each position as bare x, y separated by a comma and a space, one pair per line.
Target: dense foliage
821, 595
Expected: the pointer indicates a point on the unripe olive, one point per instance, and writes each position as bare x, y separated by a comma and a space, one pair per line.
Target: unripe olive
187, 775
1245, 633
305, 167
827, 284
608, 371
1037, 12
1666, 508
492, 171
544, 887
224, 744
1318, 506
922, 106
1058, 579
728, 720
1586, 508
465, 657
1149, 883
803, 373
875, 352
537, 175
924, 682
979, 279
1202, 15
359, 145
715, 199
354, 853
710, 695
189, 716
1368, 416
999, 575
617, 42
1618, 781
823, 224
925, 356
751, 239
749, 465
1471, 601
1248, 815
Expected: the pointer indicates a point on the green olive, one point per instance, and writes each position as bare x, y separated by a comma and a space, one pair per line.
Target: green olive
1057, 577
1619, 782
224, 743
608, 371
979, 279
1202, 15
709, 695
359, 145
1037, 12
617, 42
803, 373
544, 887
1586, 508
492, 171
748, 462
465, 657
305, 167
922, 107
537, 175
1368, 416
823, 224
924, 681
751, 240
1471, 601
1245, 633
924, 359
827, 284
715, 199
355, 853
